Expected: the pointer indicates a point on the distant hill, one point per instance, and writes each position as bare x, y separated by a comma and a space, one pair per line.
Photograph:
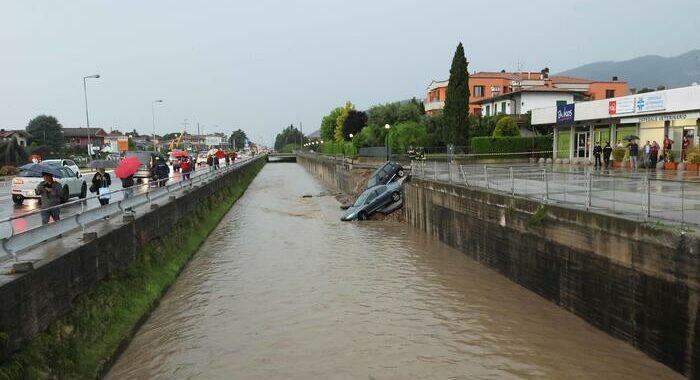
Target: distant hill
648, 71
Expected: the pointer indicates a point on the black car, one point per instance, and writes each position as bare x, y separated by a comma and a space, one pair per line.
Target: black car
385, 174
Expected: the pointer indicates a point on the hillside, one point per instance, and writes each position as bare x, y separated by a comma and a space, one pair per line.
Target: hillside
647, 71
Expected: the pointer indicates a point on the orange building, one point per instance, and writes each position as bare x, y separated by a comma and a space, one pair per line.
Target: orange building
486, 85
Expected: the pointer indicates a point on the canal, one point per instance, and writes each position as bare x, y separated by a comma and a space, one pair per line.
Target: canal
283, 289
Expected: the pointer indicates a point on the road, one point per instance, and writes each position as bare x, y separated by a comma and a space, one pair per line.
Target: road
9, 209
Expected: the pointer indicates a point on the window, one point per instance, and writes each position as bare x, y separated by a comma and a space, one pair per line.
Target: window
609, 94
505, 89
503, 107
561, 103
488, 110
478, 91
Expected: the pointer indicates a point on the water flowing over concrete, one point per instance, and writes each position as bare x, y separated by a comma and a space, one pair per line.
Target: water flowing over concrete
283, 289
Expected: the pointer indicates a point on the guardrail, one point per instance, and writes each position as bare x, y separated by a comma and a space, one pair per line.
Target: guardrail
17, 241
638, 197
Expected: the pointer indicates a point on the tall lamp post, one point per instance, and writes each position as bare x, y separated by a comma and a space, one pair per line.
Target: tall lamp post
388, 152
153, 115
87, 115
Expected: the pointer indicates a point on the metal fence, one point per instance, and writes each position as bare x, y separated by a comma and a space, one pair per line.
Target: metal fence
76, 215
638, 197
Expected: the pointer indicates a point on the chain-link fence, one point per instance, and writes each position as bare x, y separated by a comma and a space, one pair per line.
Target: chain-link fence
642, 197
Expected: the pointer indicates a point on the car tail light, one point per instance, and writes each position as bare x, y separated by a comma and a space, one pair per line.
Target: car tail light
18, 181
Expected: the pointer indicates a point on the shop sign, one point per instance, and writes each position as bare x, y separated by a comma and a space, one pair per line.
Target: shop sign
650, 102
675, 116
565, 114
621, 106
123, 144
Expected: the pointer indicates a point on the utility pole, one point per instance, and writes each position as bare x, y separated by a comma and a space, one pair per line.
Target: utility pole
198, 137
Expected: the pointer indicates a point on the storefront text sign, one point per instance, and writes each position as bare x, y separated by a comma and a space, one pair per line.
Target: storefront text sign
621, 106
565, 114
650, 102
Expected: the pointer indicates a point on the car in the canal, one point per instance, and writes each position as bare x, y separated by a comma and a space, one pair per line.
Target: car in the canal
24, 185
385, 174
372, 200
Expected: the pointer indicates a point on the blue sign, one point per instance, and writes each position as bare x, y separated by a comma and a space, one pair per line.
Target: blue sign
565, 114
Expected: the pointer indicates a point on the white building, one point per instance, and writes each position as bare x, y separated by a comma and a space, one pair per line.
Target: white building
522, 101
651, 116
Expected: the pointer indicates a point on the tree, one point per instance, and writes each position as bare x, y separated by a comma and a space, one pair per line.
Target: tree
456, 108
46, 131
407, 134
328, 124
132, 145
289, 136
355, 121
506, 126
11, 153
338, 135
238, 139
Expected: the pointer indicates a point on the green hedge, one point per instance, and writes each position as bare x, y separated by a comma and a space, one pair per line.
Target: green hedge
339, 149
498, 147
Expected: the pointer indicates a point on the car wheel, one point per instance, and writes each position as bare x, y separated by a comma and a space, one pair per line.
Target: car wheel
401, 173
66, 194
362, 216
18, 199
396, 196
83, 191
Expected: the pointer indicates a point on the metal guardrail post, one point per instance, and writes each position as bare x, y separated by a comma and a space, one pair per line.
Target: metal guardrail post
449, 171
434, 170
648, 196
682, 203
461, 168
546, 185
589, 192
512, 182
486, 177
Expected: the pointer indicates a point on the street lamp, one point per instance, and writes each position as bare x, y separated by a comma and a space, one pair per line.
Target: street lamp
388, 152
87, 115
351, 136
153, 115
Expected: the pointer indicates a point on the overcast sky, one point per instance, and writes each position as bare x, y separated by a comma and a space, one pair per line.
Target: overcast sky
261, 65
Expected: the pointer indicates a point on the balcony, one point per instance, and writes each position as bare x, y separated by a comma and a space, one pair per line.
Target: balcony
434, 106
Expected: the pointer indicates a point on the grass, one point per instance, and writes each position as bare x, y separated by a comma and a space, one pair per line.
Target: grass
79, 345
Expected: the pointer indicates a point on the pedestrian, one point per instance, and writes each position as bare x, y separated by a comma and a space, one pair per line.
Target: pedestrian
210, 162
128, 186
228, 160
50, 192
186, 169
667, 147
217, 161
597, 151
685, 144
161, 171
634, 152
101, 182
647, 154
607, 151
654, 154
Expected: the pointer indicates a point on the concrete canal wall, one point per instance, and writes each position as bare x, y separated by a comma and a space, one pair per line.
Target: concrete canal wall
343, 176
636, 282
72, 313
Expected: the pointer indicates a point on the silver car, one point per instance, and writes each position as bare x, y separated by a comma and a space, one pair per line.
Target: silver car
373, 200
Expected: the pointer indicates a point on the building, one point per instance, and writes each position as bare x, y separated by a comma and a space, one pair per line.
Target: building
21, 136
524, 100
79, 136
484, 86
650, 116
112, 139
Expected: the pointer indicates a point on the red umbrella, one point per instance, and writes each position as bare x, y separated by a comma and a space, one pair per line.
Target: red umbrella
220, 154
127, 167
179, 153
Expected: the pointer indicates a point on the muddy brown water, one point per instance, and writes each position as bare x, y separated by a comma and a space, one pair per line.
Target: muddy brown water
283, 290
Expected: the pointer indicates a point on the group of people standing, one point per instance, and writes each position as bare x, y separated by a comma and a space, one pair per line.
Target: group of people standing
652, 152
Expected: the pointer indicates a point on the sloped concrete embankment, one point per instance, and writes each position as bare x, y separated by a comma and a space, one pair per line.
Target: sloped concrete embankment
73, 314
637, 282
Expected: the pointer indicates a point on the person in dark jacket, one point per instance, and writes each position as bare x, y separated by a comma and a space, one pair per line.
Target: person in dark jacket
160, 171
607, 151
101, 182
51, 193
210, 162
128, 186
186, 168
597, 151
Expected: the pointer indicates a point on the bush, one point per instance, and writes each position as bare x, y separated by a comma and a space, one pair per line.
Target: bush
339, 149
693, 155
618, 153
9, 170
506, 126
499, 147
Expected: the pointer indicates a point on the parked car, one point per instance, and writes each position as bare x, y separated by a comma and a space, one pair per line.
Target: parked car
385, 174
63, 162
24, 185
372, 200
114, 156
202, 159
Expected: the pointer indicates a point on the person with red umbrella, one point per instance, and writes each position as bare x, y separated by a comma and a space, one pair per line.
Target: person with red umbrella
125, 170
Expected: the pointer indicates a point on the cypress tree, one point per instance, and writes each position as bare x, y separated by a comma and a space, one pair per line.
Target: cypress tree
456, 128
